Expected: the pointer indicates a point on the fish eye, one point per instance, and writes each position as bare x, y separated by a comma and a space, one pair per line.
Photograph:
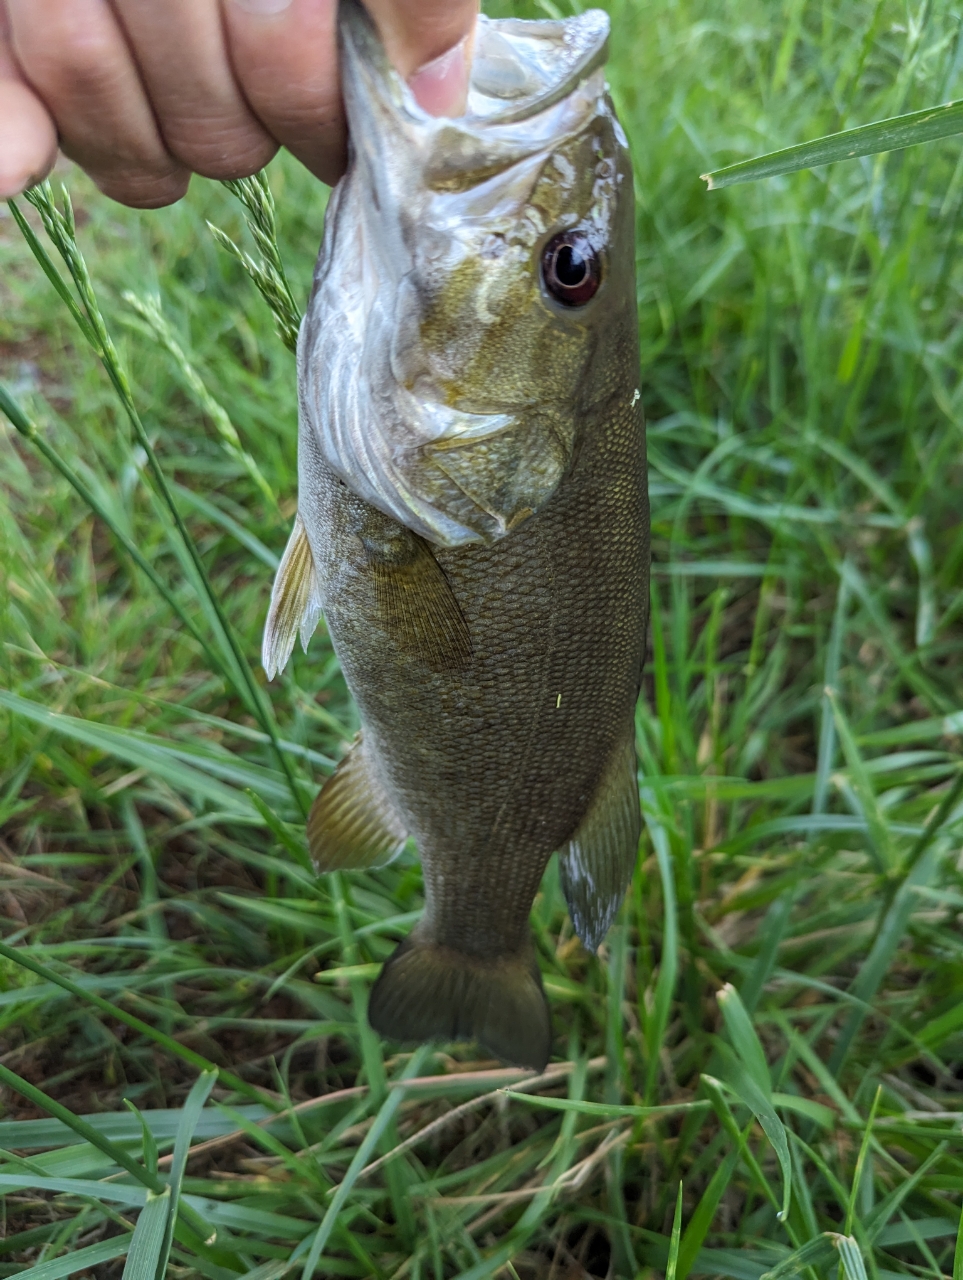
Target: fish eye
571, 268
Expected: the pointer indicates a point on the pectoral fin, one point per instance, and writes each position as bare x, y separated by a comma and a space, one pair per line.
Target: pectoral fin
295, 603
597, 863
416, 605
353, 823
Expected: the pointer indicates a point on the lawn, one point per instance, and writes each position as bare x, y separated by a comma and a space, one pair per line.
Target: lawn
761, 1072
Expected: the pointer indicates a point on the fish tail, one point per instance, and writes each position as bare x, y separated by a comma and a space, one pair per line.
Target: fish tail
430, 992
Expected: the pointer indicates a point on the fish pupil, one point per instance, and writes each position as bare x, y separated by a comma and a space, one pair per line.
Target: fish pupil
570, 267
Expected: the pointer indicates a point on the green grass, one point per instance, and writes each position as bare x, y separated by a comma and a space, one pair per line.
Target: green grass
776, 1022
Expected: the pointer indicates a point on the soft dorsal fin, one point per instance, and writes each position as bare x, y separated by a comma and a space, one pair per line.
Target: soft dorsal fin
295, 603
597, 863
416, 604
353, 823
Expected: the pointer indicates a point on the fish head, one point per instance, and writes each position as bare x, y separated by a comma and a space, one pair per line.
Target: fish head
475, 272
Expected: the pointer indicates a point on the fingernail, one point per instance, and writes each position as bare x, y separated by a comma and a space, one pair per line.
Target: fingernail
263, 6
441, 86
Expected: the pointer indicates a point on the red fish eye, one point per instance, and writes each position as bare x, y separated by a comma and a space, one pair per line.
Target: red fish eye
571, 268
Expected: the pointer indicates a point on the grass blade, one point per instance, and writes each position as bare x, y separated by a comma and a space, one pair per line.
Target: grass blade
612, 1109
700, 1222
865, 140
672, 1266
193, 1107
771, 935
874, 968
814, 1253
656, 1021
60, 227
114, 1011
82, 1128
744, 1087
30, 432
147, 1244
159, 758
933, 826
892, 1203
861, 1161
118, 1193
148, 1141
876, 824
851, 1257
744, 1039
372, 1137
94, 1255
827, 724
715, 1089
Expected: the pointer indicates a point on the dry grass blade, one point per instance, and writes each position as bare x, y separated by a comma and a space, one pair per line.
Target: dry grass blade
552, 1076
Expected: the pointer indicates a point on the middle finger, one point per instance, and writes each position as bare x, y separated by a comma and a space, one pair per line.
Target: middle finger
182, 55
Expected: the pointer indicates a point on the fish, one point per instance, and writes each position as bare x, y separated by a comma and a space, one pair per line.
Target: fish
473, 517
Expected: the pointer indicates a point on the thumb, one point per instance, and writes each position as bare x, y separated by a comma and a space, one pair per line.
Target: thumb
429, 42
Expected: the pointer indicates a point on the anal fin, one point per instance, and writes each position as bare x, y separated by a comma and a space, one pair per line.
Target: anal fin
295, 603
353, 823
597, 863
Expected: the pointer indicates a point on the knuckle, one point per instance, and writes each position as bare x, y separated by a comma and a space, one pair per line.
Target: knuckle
71, 59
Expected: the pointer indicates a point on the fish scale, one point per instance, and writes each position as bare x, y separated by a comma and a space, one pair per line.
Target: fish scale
478, 542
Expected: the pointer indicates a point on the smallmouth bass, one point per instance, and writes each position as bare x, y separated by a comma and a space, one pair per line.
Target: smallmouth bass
473, 513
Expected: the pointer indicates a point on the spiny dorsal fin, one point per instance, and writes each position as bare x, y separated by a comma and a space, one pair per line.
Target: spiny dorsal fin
295, 603
416, 604
597, 863
353, 822
429, 992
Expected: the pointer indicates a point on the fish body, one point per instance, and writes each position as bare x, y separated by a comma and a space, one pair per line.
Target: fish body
473, 515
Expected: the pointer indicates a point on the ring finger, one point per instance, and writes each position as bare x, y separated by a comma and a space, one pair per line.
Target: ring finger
180, 48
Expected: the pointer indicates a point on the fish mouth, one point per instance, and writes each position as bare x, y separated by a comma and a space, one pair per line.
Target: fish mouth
519, 69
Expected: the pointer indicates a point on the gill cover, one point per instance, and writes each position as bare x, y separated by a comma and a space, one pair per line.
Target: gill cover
425, 359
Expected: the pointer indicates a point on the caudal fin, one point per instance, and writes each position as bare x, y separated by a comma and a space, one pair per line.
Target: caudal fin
429, 992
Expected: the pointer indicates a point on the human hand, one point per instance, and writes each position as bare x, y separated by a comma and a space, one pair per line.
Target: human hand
143, 93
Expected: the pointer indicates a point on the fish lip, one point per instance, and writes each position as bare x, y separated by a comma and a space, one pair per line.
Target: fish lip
585, 36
